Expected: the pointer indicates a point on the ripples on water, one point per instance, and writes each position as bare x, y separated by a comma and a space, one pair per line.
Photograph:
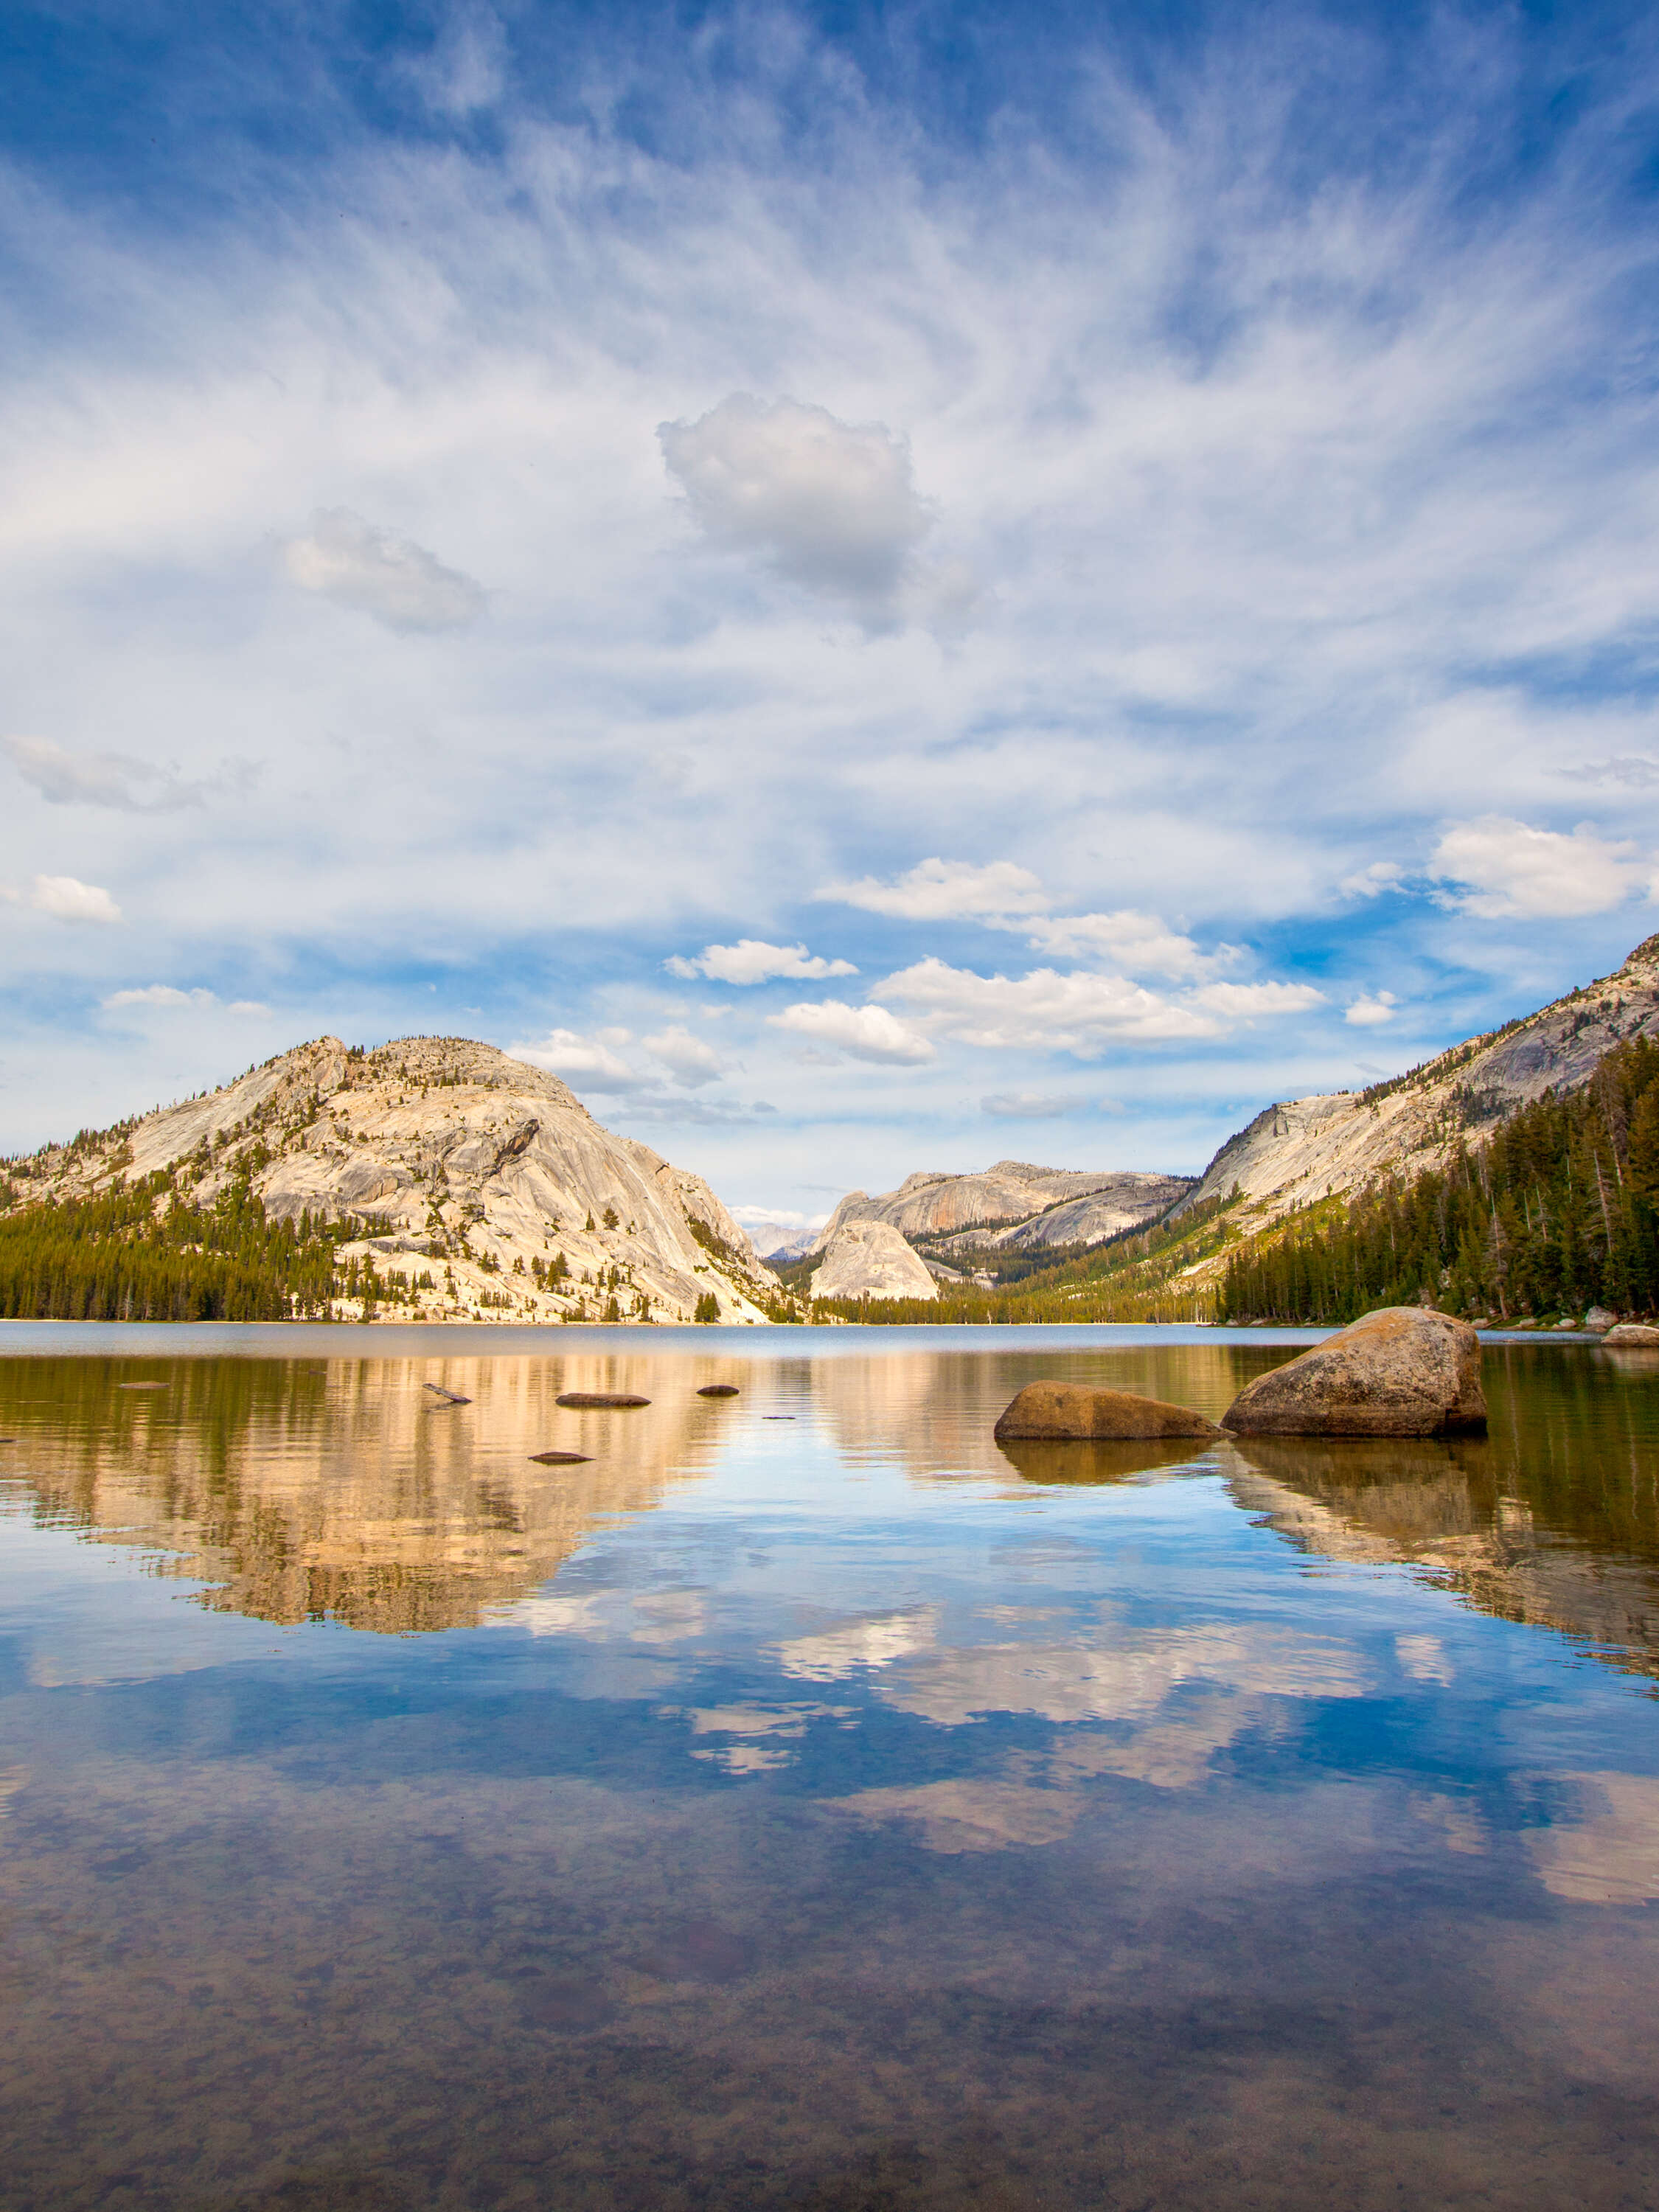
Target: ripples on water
805, 1801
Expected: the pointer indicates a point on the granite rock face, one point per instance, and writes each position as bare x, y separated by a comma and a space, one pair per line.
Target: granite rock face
1400, 1371
1012, 1204
1066, 1410
871, 1259
1634, 1333
1297, 1151
462, 1165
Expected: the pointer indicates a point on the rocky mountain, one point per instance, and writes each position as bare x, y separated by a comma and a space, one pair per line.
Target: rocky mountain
871, 1259
1303, 1148
482, 1185
779, 1242
1012, 1206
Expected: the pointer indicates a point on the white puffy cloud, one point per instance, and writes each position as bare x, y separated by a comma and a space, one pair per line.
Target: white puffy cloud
1044, 1011
1370, 1010
828, 504
67, 899
945, 890
1139, 944
687, 1058
1247, 1002
751, 960
159, 994
866, 1032
136, 786
1501, 868
568, 1052
1369, 883
379, 573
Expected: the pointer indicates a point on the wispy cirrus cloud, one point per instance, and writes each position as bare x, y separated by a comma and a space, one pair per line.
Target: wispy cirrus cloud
64, 778
167, 997
1257, 439
688, 1059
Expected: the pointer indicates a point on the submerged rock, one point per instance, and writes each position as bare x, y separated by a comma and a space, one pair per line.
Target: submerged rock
1400, 1371
584, 1398
717, 1390
1633, 1332
1064, 1411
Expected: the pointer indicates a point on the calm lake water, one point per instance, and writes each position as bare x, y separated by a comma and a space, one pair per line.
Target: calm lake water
805, 1802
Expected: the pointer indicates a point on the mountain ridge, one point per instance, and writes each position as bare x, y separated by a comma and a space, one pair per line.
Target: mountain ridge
470, 1185
1012, 1204
1329, 1142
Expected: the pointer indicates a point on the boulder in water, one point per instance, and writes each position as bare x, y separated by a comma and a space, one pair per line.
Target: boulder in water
1636, 1333
1069, 1411
1400, 1371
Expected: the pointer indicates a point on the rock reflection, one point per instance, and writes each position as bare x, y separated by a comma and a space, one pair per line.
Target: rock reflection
1086, 1461
347, 1492
1552, 1519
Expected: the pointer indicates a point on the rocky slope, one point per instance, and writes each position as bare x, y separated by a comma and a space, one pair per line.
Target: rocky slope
1303, 1148
1012, 1204
871, 1259
473, 1176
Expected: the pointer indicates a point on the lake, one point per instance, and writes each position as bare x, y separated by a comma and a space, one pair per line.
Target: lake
801, 1801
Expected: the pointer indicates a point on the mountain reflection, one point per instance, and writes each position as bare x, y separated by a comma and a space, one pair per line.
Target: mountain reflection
1553, 1519
348, 1492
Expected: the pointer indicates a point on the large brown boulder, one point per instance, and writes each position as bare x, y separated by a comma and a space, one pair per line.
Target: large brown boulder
1633, 1332
1401, 1372
1069, 1411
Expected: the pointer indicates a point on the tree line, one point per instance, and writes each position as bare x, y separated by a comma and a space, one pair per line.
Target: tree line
143, 1251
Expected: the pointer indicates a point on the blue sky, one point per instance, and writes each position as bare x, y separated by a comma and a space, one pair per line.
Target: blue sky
881, 588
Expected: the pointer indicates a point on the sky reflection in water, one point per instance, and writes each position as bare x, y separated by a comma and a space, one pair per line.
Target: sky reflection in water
836, 1811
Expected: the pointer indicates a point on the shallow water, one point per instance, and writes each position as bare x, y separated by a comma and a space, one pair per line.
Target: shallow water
804, 1803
